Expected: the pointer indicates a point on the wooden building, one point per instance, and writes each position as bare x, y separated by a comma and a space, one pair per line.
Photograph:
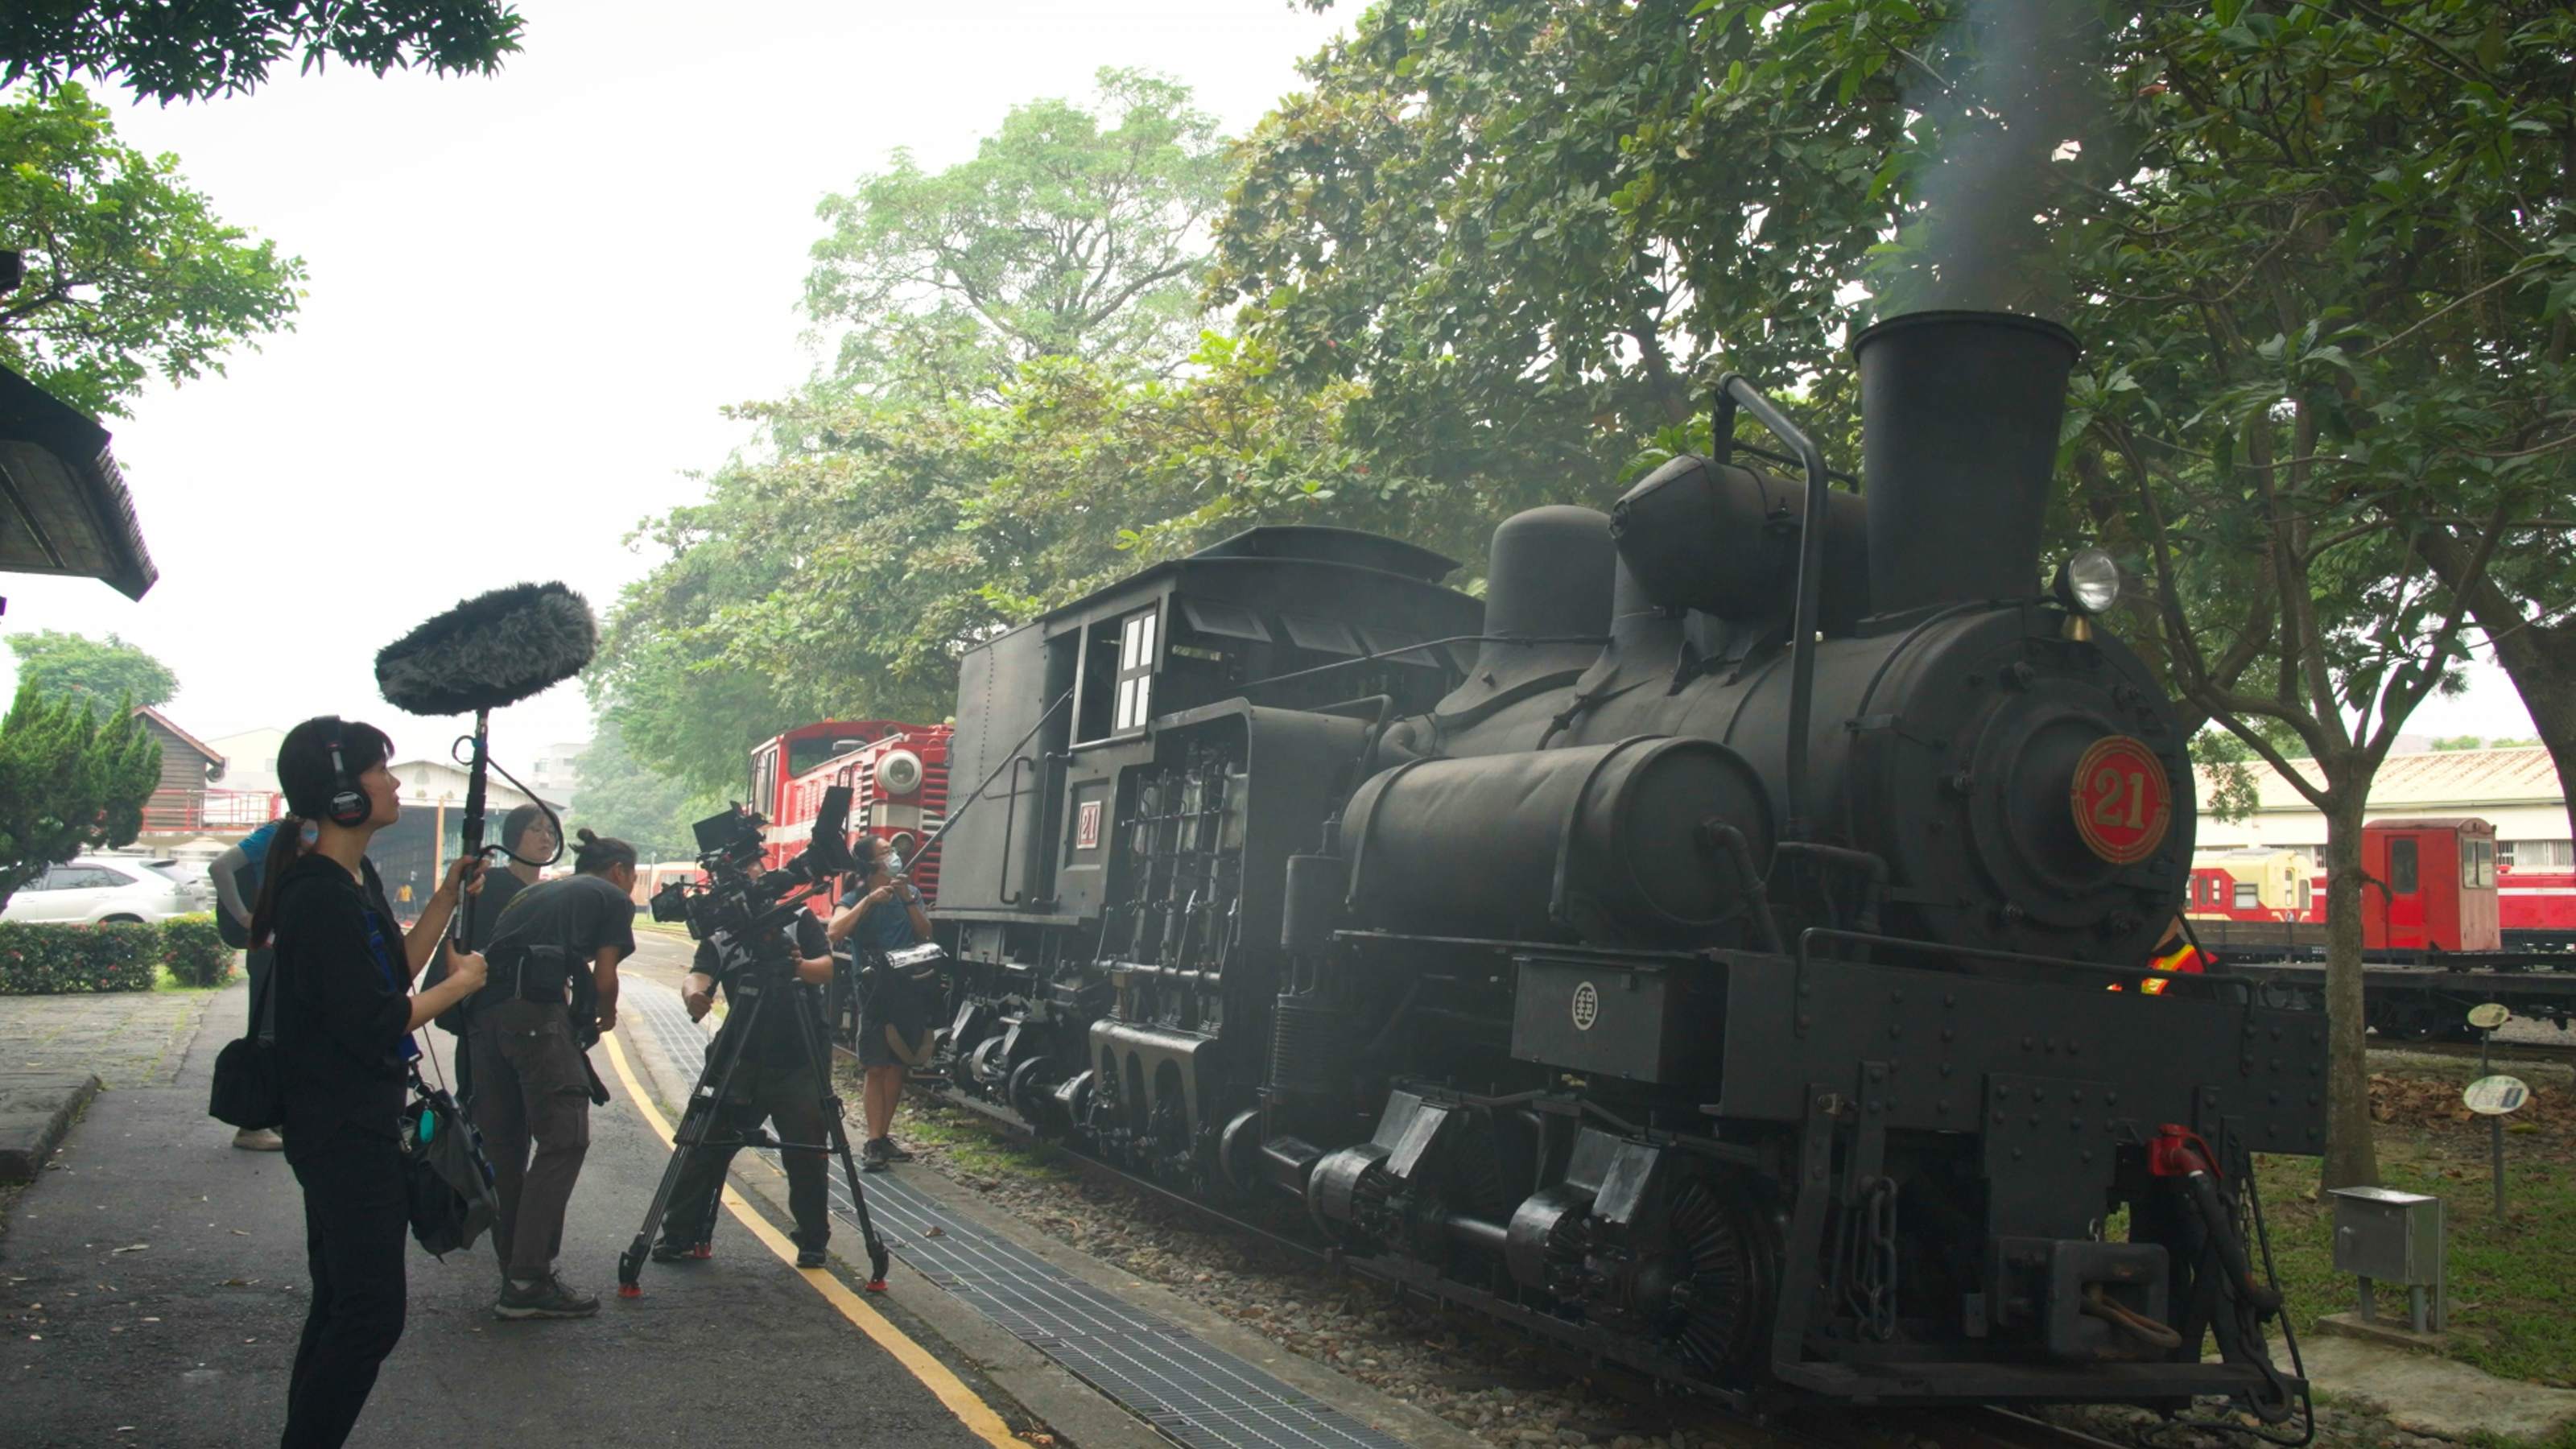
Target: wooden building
177, 808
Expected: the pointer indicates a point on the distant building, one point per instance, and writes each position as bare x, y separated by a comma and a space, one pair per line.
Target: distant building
250, 759
177, 807
412, 853
557, 772
2515, 789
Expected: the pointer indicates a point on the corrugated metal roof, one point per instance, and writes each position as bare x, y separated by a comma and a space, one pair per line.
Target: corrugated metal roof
2518, 776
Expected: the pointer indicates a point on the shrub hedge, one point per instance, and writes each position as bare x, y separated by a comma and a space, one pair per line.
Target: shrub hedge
195, 951
43, 959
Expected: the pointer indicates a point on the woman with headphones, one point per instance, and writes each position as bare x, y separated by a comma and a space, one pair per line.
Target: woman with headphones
345, 1014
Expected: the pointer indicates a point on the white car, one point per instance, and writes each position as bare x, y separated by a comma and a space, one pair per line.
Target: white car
91, 889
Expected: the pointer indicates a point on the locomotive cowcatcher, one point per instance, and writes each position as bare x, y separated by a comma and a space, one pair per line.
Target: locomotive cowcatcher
1697, 948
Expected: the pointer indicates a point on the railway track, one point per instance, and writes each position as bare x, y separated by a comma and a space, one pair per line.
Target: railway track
2560, 1053
1706, 1410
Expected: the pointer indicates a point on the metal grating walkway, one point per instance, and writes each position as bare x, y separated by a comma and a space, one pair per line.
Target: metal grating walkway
1192, 1391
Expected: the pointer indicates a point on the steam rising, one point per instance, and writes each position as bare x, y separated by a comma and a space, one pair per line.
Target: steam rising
2004, 92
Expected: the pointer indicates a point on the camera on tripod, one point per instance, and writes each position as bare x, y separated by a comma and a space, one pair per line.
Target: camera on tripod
738, 899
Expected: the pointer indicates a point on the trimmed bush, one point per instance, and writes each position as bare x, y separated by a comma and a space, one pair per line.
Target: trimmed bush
43, 959
195, 951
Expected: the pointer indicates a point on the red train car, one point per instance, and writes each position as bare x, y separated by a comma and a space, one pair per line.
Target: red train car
898, 779
2537, 907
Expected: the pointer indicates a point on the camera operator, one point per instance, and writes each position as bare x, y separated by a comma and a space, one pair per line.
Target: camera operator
552, 990
773, 1081
894, 1017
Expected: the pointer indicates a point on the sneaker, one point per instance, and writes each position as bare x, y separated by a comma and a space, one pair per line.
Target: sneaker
810, 1257
667, 1251
873, 1158
258, 1139
548, 1297
894, 1152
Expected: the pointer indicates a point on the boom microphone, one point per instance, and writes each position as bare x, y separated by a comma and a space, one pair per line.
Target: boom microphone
491, 650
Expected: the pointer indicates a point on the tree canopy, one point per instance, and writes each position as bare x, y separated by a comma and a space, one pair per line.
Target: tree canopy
129, 272
96, 672
1074, 232
208, 48
70, 781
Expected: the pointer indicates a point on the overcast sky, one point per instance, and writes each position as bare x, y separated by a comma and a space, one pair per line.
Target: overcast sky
530, 295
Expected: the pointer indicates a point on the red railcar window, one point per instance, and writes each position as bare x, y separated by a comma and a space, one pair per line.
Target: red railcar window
2401, 866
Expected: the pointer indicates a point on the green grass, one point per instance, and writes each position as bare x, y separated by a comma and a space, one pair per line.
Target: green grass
2512, 1280
970, 1143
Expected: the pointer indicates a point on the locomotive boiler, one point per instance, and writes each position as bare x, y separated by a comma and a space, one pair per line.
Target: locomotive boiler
1709, 946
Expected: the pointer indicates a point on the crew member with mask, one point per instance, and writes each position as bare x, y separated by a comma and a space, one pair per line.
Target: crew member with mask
552, 988
883, 914
774, 1080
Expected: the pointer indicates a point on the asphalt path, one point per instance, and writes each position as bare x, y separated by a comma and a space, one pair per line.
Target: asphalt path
153, 1284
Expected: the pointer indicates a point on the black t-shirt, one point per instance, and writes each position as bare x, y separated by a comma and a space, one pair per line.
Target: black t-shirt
778, 1043
343, 988
581, 915
499, 889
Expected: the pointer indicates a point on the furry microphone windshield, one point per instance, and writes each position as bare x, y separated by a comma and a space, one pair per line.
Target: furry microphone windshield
491, 650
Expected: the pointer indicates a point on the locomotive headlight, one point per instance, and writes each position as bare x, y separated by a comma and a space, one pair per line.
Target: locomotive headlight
2088, 582
899, 773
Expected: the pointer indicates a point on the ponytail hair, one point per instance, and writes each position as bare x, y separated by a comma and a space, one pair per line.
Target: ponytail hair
600, 853
283, 847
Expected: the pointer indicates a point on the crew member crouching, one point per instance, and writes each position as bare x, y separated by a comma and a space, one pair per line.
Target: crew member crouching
552, 989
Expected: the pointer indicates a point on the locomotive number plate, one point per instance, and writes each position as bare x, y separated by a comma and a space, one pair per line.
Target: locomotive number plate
2121, 799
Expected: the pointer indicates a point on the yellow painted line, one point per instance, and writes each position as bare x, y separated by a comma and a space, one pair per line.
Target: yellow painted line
935, 1376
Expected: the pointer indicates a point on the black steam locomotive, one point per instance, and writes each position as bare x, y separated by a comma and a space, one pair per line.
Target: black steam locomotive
1720, 945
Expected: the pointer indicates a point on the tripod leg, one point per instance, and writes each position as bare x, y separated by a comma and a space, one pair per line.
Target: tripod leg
818, 1059
705, 1109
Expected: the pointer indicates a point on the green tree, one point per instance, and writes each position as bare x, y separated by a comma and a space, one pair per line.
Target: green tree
207, 48
69, 782
128, 271
95, 671
621, 797
1023, 403
1074, 232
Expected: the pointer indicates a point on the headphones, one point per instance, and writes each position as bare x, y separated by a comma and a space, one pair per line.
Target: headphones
349, 807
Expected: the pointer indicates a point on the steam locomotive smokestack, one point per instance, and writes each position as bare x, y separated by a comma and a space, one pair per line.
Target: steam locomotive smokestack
1959, 418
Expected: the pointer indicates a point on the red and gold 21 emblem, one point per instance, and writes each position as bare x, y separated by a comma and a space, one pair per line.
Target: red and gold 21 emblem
2121, 799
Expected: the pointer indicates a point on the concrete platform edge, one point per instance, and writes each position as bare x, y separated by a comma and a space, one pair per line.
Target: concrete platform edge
28, 1136
1076, 1413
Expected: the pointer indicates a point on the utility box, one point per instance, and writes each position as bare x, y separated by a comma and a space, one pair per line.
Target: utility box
2385, 1236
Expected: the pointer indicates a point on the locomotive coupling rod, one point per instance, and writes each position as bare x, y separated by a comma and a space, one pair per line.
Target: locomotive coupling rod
1734, 390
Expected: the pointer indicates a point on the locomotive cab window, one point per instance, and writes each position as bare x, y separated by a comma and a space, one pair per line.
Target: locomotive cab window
1117, 677
2401, 866
2248, 895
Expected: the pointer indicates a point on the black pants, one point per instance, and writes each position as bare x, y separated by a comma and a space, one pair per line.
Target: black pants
355, 1218
784, 1095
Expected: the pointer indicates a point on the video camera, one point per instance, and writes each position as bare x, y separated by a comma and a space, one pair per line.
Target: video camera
739, 900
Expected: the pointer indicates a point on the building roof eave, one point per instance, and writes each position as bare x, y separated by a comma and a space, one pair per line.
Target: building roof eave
64, 508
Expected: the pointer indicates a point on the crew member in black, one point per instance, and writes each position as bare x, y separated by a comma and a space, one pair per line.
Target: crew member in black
345, 1014
773, 1080
528, 839
552, 991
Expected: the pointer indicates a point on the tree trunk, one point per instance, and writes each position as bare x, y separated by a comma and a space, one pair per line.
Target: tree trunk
2352, 1155
2540, 659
